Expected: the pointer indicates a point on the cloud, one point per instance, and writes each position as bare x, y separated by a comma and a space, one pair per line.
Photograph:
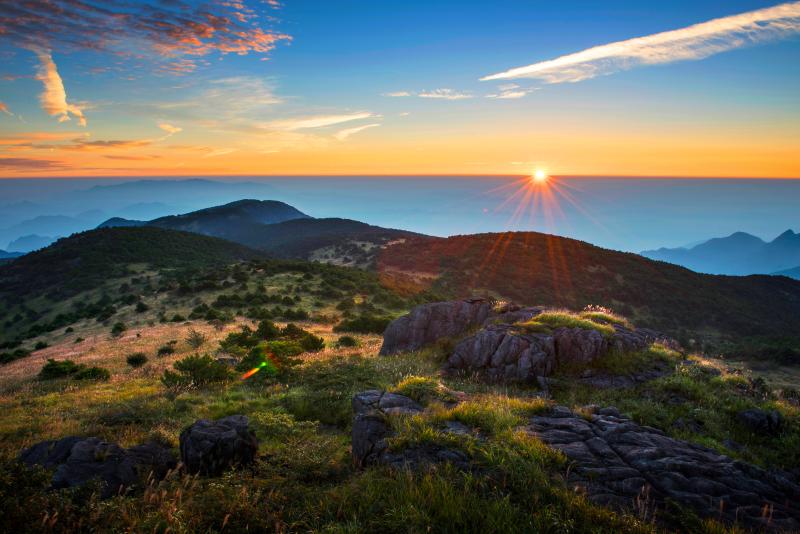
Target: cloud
28, 164
316, 122
219, 152
54, 97
446, 94
690, 43
347, 132
170, 129
167, 28
511, 91
397, 94
4, 109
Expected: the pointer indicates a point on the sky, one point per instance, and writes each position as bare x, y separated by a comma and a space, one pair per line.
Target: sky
304, 87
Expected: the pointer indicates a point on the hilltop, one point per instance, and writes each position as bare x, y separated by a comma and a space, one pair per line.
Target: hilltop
537, 268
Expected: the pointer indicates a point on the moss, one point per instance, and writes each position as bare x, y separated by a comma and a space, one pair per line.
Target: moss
548, 321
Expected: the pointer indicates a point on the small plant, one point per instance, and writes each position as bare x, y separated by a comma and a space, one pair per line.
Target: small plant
347, 341
364, 324
59, 369
195, 339
177, 318
141, 307
271, 358
40, 345
92, 373
165, 350
196, 371
137, 359
118, 329
79, 340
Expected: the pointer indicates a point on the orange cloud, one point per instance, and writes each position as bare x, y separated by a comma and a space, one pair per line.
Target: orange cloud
54, 97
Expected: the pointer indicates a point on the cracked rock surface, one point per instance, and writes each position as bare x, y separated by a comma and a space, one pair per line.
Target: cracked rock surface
371, 429
625, 465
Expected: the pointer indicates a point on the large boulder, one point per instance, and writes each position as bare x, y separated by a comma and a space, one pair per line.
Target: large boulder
506, 352
212, 447
626, 465
78, 461
428, 323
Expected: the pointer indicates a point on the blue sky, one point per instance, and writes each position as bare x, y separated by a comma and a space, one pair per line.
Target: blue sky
733, 113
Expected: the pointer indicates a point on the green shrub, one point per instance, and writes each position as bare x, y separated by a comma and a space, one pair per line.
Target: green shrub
308, 341
166, 349
548, 321
271, 358
364, 324
59, 369
118, 329
177, 318
141, 307
347, 341
7, 357
40, 345
195, 339
92, 373
196, 371
137, 359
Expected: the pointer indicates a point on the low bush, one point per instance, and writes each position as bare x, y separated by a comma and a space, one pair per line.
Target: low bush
137, 359
58, 369
195, 339
364, 324
164, 350
548, 321
347, 341
196, 371
92, 373
271, 359
118, 329
40, 345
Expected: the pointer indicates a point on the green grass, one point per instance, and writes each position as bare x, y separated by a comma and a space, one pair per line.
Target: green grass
546, 322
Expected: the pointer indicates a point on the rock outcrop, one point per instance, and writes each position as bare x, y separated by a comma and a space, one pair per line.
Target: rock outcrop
371, 430
212, 447
78, 461
505, 352
761, 421
428, 323
625, 465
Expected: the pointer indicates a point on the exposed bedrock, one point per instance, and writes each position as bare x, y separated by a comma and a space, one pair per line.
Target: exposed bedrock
625, 465
505, 352
430, 322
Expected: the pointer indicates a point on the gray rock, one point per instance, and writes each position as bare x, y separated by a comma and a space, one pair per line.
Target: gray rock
212, 447
757, 420
78, 461
616, 461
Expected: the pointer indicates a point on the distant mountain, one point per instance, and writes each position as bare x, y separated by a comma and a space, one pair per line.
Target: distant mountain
119, 222
281, 230
85, 260
534, 268
29, 243
51, 225
9, 255
791, 273
738, 254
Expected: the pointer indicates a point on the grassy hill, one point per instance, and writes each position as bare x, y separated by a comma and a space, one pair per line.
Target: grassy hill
87, 259
535, 268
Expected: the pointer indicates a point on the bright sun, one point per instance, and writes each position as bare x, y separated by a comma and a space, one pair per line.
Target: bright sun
539, 176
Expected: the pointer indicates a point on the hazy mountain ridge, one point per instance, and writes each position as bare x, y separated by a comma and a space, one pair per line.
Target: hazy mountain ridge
737, 254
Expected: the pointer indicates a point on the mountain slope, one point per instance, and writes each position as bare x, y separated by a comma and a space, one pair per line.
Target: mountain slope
85, 260
9, 255
738, 254
533, 268
791, 273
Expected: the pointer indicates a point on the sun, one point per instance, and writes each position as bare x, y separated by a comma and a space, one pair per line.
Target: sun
539, 176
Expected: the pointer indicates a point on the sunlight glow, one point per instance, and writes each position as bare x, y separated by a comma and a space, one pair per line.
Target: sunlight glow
539, 176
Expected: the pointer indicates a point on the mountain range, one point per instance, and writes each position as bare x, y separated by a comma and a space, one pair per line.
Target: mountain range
281, 230
738, 254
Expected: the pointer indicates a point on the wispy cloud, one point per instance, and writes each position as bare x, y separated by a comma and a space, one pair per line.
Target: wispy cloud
54, 97
444, 94
29, 164
317, 121
347, 132
219, 152
169, 28
691, 43
4, 109
510, 91
170, 129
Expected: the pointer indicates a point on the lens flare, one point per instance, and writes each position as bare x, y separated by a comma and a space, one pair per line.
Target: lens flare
540, 176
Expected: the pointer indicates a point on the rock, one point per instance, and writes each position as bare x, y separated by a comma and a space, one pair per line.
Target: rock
371, 428
428, 323
616, 461
78, 461
212, 447
757, 420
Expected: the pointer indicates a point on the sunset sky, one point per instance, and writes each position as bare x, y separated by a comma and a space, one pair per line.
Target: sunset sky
170, 87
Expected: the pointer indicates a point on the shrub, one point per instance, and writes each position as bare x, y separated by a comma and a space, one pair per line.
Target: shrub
118, 329
40, 345
141, 307
79, 340
364, 324
308, 341
271, 358
166, 349
347, 341
196, 371
178, 318
8, 357
92, 373
137, 359
267, 331
195, 339
59, 369
69, 330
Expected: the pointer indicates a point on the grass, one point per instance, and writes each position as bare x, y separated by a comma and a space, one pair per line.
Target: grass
546, 322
